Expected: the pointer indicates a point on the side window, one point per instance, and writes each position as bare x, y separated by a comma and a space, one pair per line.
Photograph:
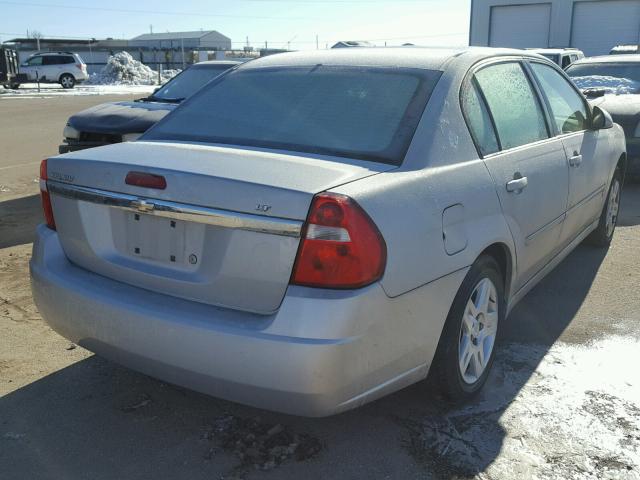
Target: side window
516, 111
50, 60
566, 61
67, 60
568, 109
479, 120
35, 61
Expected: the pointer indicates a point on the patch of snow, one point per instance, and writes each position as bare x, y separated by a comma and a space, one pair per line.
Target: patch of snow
618, 86
30, 90
572, 412
123, 69
625, 49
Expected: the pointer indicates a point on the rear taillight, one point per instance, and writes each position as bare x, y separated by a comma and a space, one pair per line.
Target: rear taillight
341, 247
79, 66
45, 197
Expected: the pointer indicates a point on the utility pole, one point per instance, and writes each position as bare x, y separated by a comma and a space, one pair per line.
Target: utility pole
182, 48
151, 29
247, 41
317, 45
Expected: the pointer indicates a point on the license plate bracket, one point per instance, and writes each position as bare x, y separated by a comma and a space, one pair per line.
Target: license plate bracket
156, 238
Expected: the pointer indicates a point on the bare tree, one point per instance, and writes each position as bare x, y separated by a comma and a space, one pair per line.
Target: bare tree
37, 35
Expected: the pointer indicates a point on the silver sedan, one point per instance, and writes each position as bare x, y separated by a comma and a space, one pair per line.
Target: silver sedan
316, 230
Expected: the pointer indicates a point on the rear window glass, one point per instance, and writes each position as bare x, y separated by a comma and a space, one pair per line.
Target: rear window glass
355, 112
552, 56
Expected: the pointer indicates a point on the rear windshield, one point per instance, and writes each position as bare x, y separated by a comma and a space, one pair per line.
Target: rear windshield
555, 58
630, 71
355, 112
188, 82
618, 78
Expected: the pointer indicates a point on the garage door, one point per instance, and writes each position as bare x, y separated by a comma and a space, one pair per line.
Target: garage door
520, 26
600, 26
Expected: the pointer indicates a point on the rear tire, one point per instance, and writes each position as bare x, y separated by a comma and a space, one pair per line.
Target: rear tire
466, 349
603, 234
67, 80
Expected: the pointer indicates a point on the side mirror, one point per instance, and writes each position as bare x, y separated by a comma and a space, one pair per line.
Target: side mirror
600, 119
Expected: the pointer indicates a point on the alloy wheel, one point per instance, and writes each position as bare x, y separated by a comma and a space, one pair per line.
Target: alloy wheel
613, 207
67, 81
478, 331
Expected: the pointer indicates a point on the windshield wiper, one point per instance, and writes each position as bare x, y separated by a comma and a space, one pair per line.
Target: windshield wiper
168, 100
152, 98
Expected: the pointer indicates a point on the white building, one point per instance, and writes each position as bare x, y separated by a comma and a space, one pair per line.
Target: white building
209, 39
593, 26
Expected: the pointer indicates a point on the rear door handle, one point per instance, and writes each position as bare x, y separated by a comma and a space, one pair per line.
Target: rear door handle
518, 183
576, 160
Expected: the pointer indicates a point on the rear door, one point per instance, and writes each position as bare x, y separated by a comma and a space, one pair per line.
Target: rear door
585, 151
527, 164
51, 67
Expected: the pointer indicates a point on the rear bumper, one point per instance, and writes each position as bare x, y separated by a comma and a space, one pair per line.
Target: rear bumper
323, 352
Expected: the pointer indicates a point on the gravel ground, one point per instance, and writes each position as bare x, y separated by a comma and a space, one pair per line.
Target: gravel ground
562, 402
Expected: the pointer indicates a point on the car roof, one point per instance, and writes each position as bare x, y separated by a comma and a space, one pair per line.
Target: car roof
623, 58
554, 51
226, 63
430, 58
37, 54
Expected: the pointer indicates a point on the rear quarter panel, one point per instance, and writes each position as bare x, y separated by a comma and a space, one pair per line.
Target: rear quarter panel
441, 170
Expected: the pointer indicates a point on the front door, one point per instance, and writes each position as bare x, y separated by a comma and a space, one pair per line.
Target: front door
570, 117
32, 68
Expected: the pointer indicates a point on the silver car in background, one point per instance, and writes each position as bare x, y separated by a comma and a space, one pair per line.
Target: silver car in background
315, 230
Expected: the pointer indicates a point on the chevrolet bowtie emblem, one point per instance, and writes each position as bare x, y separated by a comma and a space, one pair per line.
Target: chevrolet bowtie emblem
142, 206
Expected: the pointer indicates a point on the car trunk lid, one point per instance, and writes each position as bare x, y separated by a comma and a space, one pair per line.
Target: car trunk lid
224, 231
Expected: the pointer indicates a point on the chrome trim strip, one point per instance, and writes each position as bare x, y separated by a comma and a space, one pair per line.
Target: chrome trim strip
588, 198
179, 211
552, 224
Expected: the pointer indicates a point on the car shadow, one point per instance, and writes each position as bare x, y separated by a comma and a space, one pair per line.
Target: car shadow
18, 220
630, 205
94, 419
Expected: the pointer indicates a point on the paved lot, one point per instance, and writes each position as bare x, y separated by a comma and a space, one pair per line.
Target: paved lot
31, 129
563, 401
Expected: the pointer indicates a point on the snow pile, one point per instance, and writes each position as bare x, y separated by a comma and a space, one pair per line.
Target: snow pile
123, 69
570, 413
618, 86
30, 90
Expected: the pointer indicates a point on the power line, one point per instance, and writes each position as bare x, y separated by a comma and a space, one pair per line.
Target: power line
282, 42
147, 12
63, 37
408, 37
310, 2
